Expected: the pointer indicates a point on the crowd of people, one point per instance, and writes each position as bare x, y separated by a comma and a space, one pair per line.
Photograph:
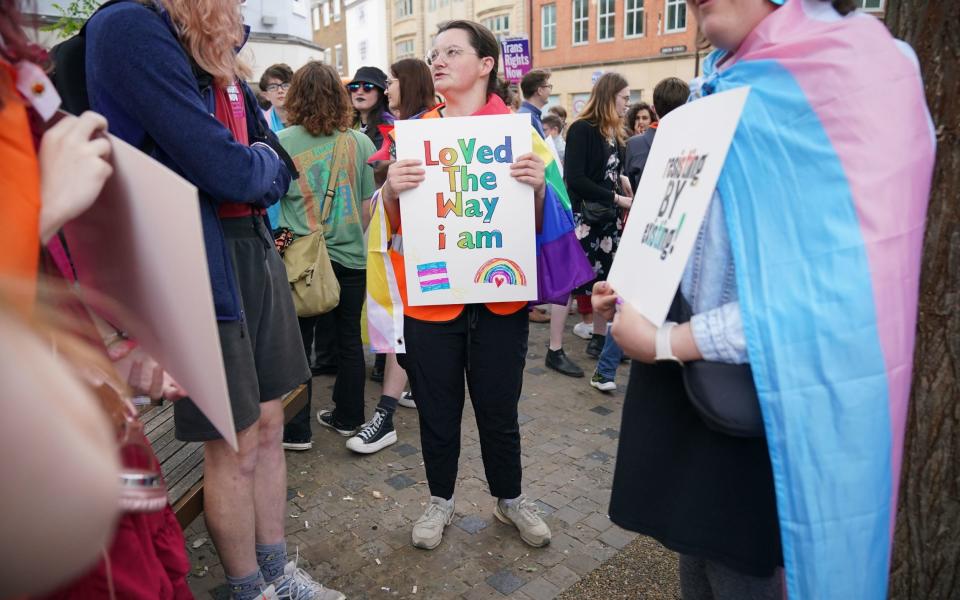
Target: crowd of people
312, 156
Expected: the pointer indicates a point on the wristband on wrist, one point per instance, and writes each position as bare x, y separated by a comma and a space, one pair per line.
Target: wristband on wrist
664, 350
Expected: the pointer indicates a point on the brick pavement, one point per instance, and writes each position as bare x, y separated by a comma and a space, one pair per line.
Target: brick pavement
351, 516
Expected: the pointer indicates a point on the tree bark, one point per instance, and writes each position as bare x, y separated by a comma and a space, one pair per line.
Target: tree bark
926, 552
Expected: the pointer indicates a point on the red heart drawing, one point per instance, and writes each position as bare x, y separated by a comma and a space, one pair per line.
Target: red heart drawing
499, 279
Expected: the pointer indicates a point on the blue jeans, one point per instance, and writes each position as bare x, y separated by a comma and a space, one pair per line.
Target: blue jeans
610, 357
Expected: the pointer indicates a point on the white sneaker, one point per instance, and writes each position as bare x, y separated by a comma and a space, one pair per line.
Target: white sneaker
428, 530
406, 400
583, 330
298, 446
525, 516
268, 594
296, 584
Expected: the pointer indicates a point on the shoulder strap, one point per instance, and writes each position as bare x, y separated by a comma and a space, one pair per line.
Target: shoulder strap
339, 154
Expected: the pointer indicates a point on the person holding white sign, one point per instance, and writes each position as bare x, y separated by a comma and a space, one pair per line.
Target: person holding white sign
764, 419
488, 342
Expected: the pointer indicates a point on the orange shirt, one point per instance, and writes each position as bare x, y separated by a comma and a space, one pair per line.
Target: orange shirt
20, 174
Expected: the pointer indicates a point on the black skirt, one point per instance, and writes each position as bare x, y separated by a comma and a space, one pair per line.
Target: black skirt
696, 491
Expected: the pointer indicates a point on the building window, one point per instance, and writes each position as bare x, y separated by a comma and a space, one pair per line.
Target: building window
676, 15
336, 10
328, 56
548, 24
872, 5
338, 54
605, 19
403, 49
581, 22
403, 8
633, 18
499, 25
316, 18
433, 4
326, 14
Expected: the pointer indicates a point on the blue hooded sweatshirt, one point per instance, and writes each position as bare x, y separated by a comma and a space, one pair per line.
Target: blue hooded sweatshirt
140, 78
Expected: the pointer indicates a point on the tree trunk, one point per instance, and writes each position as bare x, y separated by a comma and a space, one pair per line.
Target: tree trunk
926, 552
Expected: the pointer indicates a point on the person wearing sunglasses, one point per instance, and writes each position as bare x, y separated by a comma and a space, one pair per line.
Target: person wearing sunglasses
369, 99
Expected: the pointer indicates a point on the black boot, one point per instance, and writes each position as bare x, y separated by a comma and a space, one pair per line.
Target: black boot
595, 345
558, 361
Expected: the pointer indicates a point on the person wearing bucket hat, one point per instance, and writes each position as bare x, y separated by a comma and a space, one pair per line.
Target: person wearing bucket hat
368, 96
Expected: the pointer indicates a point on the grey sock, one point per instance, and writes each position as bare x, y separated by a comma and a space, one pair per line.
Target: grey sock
247, 587
388, 404
272, 558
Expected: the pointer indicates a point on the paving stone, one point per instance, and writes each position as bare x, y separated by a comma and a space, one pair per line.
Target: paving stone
221, 592
561, 576
536, 371
599, 521
581, 563
617, 537
523, 419
545, 508
472, 524
504, 582
405, 450
601, 410
599, 456
400, 481
613, 434
568, 515
540, 589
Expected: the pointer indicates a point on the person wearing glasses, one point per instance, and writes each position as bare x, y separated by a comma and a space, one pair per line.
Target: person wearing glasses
274, 84
438, 339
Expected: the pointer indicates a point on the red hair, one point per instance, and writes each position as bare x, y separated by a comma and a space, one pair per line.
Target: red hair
211, 31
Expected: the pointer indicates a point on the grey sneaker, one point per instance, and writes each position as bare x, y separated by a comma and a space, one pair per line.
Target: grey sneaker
525, 516
428, 530
296, 584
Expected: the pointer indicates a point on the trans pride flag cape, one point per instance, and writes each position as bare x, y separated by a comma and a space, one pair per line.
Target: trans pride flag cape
561, 263
825, 199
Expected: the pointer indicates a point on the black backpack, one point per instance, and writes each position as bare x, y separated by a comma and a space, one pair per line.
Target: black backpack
69, 76
69, 73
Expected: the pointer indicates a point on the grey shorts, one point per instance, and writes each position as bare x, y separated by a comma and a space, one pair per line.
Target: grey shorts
263, 354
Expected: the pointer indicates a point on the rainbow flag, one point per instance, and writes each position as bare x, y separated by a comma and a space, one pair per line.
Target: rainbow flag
825, 200
561, 262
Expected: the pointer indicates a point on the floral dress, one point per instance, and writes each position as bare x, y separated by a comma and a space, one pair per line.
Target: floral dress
600, 242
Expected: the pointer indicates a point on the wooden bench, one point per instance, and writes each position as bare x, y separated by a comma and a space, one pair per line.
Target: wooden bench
182, 462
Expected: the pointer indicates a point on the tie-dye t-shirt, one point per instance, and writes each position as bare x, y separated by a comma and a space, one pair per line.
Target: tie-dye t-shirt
354, 183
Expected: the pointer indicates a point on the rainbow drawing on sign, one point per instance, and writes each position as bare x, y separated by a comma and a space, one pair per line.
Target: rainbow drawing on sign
499, 271
433, 276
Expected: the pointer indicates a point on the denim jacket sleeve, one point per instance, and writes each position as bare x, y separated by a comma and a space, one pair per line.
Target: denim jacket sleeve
709, 285
718, 334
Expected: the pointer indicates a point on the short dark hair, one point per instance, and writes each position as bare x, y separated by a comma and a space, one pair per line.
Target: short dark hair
278, 71
559, 111
551, 120
416, 86
483, 42
533, 81
632, 113
669, 94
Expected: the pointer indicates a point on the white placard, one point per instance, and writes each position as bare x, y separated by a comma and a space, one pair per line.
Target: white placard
671, 200
469, 230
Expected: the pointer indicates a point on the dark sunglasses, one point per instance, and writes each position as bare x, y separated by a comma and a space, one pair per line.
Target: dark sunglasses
367, 87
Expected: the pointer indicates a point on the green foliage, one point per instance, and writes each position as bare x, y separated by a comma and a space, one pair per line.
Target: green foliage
72, 17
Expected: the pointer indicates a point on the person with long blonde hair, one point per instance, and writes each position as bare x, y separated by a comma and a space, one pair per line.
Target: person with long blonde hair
592, 170
167, 76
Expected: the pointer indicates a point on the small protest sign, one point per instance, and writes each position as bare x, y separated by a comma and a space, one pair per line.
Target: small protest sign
469, 229
516, 58
671, 200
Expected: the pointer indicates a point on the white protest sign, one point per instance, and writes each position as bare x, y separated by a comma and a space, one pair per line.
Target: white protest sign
671, 201
469, 230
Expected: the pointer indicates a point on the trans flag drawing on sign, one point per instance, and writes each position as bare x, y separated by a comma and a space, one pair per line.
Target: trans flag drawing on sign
433, 276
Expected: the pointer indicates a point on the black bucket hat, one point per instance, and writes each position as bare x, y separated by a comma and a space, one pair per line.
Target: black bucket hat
371, 75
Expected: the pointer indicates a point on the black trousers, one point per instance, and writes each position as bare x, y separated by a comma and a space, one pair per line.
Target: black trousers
491, 350
351, 373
